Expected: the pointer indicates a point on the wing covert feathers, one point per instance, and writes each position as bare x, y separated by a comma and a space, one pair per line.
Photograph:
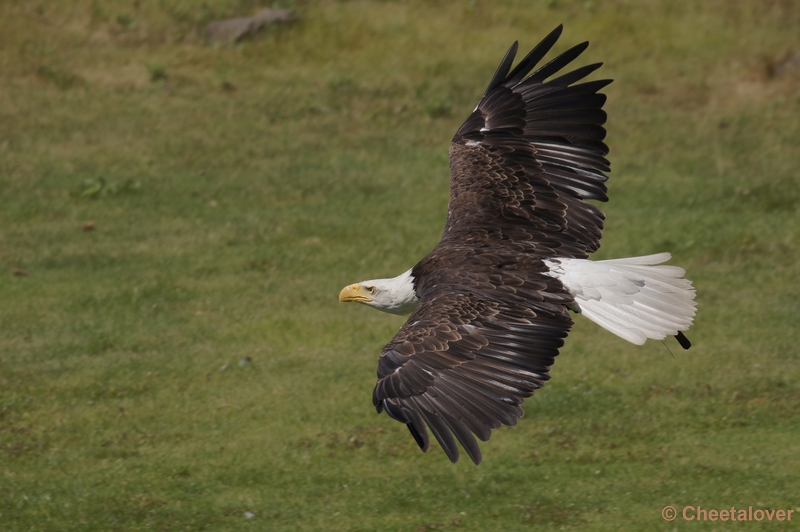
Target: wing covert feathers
476, 346
531, 153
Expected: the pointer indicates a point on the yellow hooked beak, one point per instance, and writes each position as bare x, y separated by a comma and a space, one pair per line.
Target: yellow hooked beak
354, 292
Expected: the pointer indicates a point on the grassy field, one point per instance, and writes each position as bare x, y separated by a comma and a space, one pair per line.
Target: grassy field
177, 220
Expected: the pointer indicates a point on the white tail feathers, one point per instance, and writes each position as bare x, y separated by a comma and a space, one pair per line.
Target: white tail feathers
633, 298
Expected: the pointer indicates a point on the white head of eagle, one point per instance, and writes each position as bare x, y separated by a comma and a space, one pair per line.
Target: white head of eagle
395, 296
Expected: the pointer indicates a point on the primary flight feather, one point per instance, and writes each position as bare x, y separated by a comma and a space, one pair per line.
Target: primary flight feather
490, 304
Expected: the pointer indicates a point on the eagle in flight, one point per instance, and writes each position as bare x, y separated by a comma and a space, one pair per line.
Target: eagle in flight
490, 304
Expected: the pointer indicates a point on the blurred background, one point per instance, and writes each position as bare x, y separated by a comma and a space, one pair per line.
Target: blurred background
178, 216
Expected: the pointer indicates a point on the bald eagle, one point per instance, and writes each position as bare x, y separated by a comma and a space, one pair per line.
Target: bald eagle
490, 304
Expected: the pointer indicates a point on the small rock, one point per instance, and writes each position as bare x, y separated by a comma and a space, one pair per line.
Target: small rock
231, 30
249, 515
245, 361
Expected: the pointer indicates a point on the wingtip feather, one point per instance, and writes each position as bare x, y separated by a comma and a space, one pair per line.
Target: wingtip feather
502, 71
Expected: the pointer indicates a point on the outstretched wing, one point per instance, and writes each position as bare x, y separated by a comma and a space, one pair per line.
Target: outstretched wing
530, 154
476, 346
490, 322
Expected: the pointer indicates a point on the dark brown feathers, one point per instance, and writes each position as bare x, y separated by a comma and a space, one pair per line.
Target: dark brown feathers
490, 322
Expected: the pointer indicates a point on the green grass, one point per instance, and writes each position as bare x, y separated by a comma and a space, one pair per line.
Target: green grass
235, 190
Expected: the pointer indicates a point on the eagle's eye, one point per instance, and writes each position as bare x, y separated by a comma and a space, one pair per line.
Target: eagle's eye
371, 290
